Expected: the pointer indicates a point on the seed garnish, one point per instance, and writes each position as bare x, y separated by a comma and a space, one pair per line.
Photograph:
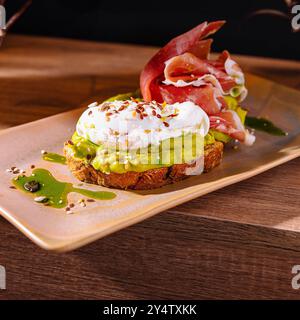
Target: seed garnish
32, 186
40, 199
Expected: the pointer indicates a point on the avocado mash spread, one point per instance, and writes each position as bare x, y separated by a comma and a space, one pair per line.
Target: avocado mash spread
182, 149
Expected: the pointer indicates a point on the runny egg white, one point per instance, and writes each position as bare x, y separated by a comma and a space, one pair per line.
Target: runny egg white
133, 124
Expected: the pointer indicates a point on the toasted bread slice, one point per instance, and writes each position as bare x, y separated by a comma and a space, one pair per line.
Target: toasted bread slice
150, 179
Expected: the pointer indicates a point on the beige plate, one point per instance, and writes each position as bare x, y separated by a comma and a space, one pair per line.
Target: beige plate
52, 229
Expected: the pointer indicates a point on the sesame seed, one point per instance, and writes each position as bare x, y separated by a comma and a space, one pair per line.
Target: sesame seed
133, 99
104, 107
40, 199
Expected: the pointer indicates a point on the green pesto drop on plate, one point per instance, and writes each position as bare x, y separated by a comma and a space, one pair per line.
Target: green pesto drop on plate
54, 192
54, 157
264, 125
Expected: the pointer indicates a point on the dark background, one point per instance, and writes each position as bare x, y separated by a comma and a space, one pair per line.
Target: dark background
248, 30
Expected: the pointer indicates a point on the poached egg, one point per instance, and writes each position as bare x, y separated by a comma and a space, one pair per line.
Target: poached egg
132, 124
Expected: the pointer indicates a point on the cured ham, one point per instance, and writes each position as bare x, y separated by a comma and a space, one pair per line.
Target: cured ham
187, 70
182, 71
190, 40
206, 97
228, 122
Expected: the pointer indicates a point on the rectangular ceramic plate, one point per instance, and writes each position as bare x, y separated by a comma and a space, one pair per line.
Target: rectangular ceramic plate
53, 229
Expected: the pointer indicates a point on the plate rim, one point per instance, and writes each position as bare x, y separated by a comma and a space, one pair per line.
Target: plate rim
78, 241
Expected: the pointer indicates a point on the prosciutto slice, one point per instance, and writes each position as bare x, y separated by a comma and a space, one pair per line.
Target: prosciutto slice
228, 122
190, 40
182, 71
206, 97
188, 69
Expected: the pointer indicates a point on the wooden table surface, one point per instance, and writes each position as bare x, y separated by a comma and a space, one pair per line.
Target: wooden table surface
237, 242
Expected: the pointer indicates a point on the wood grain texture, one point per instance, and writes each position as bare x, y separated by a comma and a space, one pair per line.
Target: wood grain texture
195, 250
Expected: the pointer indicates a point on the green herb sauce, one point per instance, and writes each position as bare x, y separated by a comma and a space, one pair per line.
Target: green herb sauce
56, 192
265, 125
54, 157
